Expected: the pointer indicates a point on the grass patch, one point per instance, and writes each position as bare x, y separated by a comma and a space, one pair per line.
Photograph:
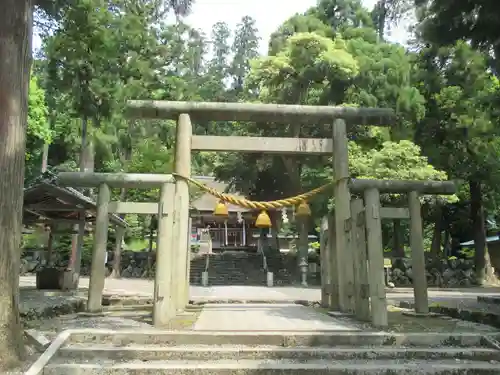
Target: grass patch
398, 322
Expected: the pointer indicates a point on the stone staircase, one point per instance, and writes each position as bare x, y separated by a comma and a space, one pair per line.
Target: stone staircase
98, 352
229, 268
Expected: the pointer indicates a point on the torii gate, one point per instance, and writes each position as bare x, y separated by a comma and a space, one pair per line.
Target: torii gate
171, 292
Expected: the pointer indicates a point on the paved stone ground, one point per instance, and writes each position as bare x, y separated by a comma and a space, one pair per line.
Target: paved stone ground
266, 317
33, 302
145, 287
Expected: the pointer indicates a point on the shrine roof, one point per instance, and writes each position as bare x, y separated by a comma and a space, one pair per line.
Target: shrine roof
207, 202
45, 201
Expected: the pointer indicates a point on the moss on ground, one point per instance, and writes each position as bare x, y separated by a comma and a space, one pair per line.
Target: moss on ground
400, 322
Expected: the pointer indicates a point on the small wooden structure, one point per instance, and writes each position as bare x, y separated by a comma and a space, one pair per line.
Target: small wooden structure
58, 209
47, 203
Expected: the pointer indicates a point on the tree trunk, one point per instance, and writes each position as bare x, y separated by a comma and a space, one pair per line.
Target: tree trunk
86, 165
125, 156
15, 64
437, 235
382, 18
484, 271
398, 250
88, 161
276, 225
447, 244
293, 168
45, 157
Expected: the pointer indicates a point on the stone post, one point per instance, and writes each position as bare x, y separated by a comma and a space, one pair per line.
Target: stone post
417, 254
334, 282
97, 272
358, 242
117, 255
76, 258
325, 262
182, 167
50, 245
303, 247
188, 259
343, 217
375, 258
163, 308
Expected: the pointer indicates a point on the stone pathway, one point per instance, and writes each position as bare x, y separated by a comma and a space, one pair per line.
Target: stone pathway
266, 317
239, 292
287, 293
37, 303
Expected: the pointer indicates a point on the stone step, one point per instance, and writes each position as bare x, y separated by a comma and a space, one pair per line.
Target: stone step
275, 367
276, 338
230, 279
83, 352
234, 278
225, 271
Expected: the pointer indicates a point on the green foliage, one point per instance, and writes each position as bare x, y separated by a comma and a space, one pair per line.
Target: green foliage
460, 134
38, 126
445, 93
393, 161
314, 245
308, 64
303, 71
38, 131
299, 23
446, 22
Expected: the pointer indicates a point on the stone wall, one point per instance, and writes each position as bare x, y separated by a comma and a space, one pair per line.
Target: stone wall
243, 268
440, 273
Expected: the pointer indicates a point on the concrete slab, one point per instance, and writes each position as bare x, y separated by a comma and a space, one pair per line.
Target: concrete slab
275, 367
285, 338
239, 292
85, 353
266, 317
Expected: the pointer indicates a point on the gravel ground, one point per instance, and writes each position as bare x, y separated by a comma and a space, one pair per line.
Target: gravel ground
36, 304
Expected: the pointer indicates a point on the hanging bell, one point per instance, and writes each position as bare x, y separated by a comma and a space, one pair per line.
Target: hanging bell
263, 220
221, 209
303, 209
